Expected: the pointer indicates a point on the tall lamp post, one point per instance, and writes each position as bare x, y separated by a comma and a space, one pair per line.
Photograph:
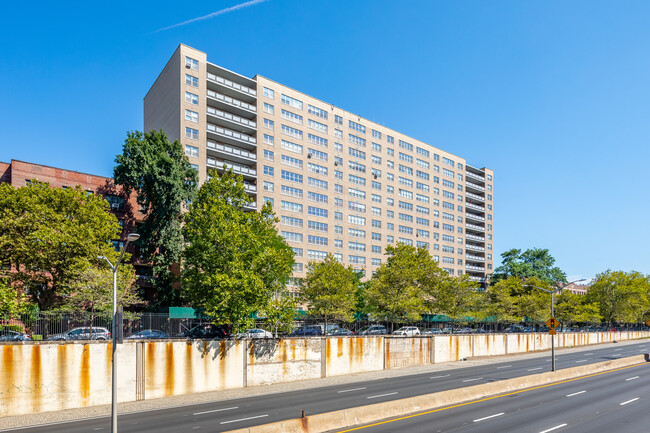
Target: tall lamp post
553, 292
132, 237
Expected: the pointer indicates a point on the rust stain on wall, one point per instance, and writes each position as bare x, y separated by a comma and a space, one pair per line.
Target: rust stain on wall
169, 369
189, 376
62, 360
150, 366
387, 354
84, 375
7, 375
293, 349
221, 359
36, 377
339, 347
283, 352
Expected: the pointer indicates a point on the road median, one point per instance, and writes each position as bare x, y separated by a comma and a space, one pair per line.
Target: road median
358, 416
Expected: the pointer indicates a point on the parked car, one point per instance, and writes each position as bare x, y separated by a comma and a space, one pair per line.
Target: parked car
6, 335
407, 331
340, 331
207, 331
148, 334
433, 331
255, 333
373, 330
307, 331
82, 333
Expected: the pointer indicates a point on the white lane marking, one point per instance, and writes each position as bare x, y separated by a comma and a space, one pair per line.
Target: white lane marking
629, 401
553, 428
194, 428
350, 390
588, 354
216, 410
617, 354
616, 350
98, 428
488, 417
472, 380
575, 393
533, 369
382, 395
243, 419
436, 377
631, 378
582, 360
505, 366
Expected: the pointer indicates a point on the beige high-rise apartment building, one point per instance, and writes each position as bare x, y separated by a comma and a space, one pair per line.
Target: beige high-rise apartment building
339, 183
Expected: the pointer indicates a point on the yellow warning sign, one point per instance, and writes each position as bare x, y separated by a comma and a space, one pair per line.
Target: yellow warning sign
552, 332
552, 323
648, 323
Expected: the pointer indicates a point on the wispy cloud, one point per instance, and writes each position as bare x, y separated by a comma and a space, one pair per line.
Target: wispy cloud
214, 14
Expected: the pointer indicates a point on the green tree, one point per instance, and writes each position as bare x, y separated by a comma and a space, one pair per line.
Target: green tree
456, 297
403, 285
279, 313
329, 289
534, 262
514, 299
50, 236
11, 301
572, 308
162, 178
500, 302
235, 261
621, 296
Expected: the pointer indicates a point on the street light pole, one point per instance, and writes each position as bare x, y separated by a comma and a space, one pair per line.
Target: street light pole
553, 292
132, 237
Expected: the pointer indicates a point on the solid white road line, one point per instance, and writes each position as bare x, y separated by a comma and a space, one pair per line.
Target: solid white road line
437, 377
505, 366
472, 380
350, 390
243, 419
488, 417
216, 410
632, 378
553, 428
588, 354
616, 350
575, 393
533, 369
382, 395
629, 401
582, 360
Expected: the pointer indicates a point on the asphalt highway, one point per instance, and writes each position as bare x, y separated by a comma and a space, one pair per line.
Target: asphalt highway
614, 401
245, 412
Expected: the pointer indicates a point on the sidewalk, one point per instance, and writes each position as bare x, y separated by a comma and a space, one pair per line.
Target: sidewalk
215, 396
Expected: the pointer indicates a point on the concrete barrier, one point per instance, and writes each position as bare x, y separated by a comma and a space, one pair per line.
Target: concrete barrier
50, 376
357, 416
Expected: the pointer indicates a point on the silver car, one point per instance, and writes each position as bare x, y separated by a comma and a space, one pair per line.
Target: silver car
82, 333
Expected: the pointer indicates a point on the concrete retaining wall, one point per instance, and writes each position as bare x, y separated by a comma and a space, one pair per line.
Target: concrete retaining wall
49, 376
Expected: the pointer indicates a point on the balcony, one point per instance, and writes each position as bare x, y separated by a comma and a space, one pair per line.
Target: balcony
474, 227
474, 196
474, 258
474, 176
247, 109
477, 279
475, 238
240, 122
475, 207
471, 185
474, 268
240, 155
474, 247
230, 135
232, 85
237, 168
474, 217
250, 188
251, 206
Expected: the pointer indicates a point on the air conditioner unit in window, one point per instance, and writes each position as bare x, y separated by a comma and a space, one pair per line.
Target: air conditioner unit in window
115, 205
187, 66
309, 155
335, 163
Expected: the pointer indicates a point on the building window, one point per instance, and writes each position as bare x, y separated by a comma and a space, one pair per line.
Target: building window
338, 120
292, 102
315, 111
268, 170
268, 108
268, 155
191, 116
269, 93
191, 81
269, 139
191, 98
192, 133
268, 124
268, 186
191, 63
191, 151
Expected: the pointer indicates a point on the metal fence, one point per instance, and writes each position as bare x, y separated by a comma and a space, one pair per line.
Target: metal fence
40, 326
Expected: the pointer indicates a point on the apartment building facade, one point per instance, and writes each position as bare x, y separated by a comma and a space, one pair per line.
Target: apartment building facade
339, 183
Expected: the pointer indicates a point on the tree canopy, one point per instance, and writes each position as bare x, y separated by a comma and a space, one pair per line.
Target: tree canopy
534, 262
330, 290
161, 176
50, 236
621, 296
235, 261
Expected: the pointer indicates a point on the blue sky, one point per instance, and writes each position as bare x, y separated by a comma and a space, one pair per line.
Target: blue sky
553, 96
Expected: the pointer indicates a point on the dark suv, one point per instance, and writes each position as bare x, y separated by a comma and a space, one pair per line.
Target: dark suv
307, 331
207, 331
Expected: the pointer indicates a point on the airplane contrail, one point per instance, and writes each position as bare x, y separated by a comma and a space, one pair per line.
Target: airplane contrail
214, 14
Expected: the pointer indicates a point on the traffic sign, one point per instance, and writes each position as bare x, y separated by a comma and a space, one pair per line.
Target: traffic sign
552, 323
552, 332
648, 323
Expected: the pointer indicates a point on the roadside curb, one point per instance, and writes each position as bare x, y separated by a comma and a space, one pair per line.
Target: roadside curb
358, 416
